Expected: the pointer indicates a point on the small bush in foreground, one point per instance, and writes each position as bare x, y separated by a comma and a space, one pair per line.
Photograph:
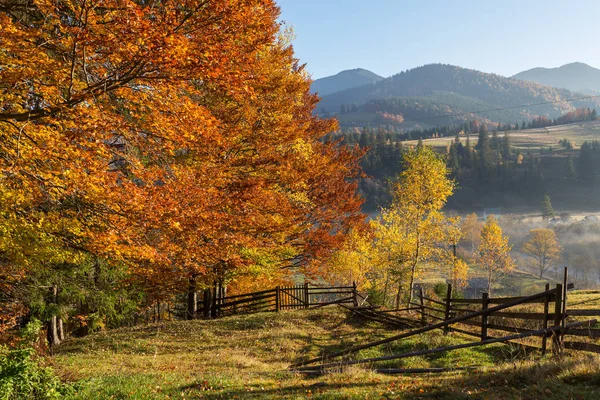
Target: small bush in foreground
21, 377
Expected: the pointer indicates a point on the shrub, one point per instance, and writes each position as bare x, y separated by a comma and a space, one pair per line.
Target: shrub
21, 375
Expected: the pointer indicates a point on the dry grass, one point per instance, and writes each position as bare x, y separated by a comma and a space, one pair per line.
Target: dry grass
247, 357
534, 139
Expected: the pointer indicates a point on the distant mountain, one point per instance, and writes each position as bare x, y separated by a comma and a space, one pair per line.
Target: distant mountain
344, 80
435, 90
577, 77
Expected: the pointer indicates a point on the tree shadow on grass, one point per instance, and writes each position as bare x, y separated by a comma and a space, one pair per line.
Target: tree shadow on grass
255, 391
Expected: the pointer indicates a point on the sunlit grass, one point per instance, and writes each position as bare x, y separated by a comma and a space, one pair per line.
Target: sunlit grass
248, 357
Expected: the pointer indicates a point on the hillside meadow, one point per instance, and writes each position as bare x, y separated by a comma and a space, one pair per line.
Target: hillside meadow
248, 357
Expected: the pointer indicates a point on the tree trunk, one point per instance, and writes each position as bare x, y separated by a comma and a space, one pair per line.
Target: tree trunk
192, 308
398, 295
412, 283
53, 336
206, 304
61, 330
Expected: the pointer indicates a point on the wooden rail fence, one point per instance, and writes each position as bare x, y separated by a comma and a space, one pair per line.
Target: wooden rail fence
480, 317
279, 298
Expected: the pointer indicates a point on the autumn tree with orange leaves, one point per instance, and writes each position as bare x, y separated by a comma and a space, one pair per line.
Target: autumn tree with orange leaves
176, 138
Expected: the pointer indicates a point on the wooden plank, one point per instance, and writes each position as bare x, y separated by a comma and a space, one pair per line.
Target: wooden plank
319, 305
522, 315
462, 309
485, 302
310, 291
556, 342
427, 307
583, 313
422, 305
547, 300
249, 300
249, 294
448, 306
594, 348
467, 301
592, 333
441, 303
315, 287
464, 332
400, 309
498, 300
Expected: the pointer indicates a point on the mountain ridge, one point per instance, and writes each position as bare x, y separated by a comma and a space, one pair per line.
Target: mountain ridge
463, 88
343, 80
576, 76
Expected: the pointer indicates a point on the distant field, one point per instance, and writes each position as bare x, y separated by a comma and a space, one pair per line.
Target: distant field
534, 139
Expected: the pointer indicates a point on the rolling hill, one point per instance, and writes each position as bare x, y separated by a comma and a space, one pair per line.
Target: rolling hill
578, 77
344, 80
437, 90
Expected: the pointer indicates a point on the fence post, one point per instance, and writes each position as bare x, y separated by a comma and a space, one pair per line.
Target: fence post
354, 294
206, 303
422, 305
277, 305
564, 306
546, 319
306, 299
556, 345
485, 302
448, 305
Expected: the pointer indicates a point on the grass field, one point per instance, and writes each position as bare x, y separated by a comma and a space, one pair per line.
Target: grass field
248, 357
534, 139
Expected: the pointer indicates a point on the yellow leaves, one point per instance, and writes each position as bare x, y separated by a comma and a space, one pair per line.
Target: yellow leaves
424, 185
494, 251
303, 148
543, 246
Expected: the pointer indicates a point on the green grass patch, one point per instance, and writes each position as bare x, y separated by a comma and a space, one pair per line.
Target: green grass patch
248, 356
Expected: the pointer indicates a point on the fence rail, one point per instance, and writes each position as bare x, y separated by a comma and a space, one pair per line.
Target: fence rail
479, 322
292, 297
488, 315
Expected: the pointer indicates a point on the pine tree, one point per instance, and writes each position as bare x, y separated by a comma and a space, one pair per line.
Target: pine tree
570, 173
506, 147
547, 210
468, 158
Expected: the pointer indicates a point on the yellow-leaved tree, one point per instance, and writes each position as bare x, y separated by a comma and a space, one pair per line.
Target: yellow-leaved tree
413, 231
471, 228
354, 262
543, 246
494, 252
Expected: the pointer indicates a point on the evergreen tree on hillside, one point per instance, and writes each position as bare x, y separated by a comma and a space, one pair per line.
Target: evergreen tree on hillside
468, 154
547, 210
505, 147
570, 173
585, 164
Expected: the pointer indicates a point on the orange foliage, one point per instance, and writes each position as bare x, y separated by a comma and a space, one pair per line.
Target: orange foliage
177, 137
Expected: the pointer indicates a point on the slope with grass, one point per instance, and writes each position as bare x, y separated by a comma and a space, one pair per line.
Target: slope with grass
533, 140
248, 356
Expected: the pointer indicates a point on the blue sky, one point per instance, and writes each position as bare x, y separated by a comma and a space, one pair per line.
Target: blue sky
389, 36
